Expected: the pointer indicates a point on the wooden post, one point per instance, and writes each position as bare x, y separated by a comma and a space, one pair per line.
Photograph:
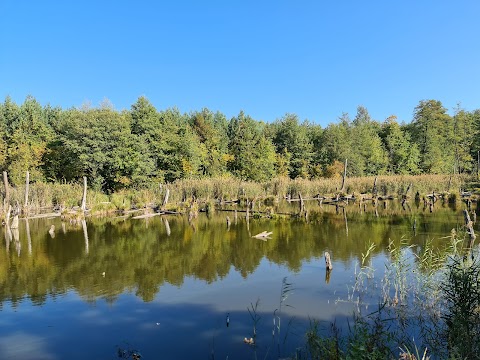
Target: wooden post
7, 192
27, 184
344, 175
84, 197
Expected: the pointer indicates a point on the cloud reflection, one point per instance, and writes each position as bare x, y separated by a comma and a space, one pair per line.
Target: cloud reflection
22, 346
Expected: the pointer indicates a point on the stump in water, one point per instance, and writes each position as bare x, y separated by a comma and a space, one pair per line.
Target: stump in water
469, 226
328, 261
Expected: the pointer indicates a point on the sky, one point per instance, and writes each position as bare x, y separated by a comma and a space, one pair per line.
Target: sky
317, 59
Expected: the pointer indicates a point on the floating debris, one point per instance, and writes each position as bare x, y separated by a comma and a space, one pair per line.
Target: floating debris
249, 341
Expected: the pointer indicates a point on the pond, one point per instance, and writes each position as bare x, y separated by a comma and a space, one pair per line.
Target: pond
165, 286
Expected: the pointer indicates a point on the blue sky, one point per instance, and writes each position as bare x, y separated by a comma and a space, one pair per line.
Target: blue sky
316, 59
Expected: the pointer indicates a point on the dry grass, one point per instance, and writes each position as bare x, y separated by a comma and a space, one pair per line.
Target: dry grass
44, 195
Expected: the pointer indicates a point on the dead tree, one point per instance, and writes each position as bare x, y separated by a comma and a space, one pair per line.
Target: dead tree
344, 175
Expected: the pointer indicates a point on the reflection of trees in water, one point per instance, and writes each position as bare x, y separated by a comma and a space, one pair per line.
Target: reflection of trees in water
104, 258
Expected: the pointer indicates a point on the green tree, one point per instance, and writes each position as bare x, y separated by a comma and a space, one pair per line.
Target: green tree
27, 144
292, 137
172, 145
368, 144
100, 145
211, 131
253, 154
464, 133
403, 155
432, 131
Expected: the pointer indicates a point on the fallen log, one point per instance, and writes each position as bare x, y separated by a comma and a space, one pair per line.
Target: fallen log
264, 235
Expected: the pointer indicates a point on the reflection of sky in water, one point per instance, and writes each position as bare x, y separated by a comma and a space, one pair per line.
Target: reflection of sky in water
181, 322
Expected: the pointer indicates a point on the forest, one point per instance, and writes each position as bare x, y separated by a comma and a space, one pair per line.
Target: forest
130, 149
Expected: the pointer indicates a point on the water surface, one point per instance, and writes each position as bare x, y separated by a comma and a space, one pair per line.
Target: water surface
165, 286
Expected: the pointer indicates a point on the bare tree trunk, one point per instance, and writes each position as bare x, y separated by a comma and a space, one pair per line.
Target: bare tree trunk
84, 197
344, 176
165, 199
27, 185
7, 192
302, 204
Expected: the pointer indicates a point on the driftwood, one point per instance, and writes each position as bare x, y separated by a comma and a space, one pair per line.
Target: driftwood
264, 235
146, 216
46, 215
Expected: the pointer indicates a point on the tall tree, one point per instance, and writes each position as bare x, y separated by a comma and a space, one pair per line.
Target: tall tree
291, 136
432, 131
30, 135
253, 154
403, 155
211, 131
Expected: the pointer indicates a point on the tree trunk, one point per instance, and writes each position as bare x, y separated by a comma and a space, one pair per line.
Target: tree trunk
165, 199
84, 197
7, 192
344, 175
27, 185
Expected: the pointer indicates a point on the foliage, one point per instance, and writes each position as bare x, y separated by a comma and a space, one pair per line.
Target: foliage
143, 146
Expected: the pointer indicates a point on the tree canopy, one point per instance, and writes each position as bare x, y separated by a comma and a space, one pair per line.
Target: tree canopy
131, 148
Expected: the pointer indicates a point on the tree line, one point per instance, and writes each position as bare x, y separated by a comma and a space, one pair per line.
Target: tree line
140, 146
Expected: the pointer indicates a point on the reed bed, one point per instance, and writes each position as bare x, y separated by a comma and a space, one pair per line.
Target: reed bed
61, 195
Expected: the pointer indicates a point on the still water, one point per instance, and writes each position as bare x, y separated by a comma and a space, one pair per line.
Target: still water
165, 286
